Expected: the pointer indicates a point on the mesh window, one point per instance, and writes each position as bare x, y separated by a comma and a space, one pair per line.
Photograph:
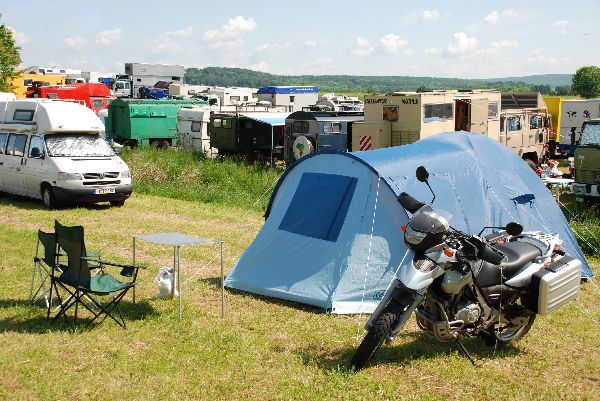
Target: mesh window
319, 206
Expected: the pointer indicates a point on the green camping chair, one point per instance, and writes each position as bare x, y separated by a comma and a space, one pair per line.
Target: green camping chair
42, 267
84, 288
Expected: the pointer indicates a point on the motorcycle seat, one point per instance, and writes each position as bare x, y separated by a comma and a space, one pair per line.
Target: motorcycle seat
517, 254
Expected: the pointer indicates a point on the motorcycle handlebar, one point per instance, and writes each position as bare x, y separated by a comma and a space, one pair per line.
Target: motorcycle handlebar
409, 203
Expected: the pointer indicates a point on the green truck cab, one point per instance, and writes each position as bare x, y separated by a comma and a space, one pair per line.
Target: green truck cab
587, 163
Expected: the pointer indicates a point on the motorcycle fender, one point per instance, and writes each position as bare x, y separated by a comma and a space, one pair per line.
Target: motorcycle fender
419, 278
396, 293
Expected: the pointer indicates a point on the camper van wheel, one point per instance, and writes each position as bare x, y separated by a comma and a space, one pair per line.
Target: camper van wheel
117, 203
48, 197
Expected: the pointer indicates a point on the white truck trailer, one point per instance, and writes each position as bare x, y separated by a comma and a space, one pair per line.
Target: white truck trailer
138, 75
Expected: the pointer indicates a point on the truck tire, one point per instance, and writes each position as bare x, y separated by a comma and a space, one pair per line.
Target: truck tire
49, 198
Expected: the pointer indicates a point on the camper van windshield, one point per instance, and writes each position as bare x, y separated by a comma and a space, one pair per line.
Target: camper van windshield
78, 145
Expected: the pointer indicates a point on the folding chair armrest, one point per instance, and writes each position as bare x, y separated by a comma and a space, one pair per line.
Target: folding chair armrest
126, 270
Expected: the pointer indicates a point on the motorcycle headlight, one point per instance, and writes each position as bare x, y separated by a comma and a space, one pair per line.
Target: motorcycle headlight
126, 174
62, 176
412, 236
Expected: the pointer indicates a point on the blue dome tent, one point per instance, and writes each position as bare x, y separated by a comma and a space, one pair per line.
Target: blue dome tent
332, 234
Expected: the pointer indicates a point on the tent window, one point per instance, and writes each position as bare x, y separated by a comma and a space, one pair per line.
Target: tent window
319, 206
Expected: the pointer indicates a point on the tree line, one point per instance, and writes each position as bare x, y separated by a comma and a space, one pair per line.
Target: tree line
229, 77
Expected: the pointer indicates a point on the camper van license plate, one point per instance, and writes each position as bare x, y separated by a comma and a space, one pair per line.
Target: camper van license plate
100, 191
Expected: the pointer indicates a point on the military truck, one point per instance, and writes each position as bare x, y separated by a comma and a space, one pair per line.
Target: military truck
587, 163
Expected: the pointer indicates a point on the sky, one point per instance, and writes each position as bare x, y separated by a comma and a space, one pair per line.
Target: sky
462, 39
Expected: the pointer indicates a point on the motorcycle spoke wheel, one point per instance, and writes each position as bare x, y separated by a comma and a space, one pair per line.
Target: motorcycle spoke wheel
373, 340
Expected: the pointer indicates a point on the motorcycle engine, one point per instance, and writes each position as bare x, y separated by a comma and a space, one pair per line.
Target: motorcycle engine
468, 312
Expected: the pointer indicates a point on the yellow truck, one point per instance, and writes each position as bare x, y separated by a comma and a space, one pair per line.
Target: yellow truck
404, 117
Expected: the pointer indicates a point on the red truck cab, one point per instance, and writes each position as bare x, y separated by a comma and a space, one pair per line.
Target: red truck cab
92, 95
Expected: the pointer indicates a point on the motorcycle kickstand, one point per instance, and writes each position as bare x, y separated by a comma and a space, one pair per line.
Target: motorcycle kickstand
464, 351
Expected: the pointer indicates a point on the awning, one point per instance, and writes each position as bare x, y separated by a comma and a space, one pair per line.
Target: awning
274, 119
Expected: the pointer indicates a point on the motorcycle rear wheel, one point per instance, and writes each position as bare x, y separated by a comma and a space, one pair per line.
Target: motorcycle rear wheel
506, 333
373, 340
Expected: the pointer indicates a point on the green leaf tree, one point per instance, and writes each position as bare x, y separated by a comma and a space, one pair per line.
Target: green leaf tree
9, 59
586, 82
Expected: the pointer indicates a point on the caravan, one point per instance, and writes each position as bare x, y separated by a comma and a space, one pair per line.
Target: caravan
54, 151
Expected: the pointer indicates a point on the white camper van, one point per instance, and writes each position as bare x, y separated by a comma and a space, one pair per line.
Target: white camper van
192, 129
54, 151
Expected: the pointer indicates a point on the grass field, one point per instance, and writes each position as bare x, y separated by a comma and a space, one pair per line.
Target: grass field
262, 349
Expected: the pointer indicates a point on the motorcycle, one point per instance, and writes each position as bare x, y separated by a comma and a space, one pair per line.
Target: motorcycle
462, 285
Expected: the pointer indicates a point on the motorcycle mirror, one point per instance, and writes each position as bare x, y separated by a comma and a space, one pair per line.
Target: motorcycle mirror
514, 229
422, 174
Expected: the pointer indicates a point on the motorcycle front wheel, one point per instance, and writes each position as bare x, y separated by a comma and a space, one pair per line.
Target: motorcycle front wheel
373, 340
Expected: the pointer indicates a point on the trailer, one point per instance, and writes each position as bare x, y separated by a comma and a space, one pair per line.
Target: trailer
192, 129
310, 131
256, 135
135, 122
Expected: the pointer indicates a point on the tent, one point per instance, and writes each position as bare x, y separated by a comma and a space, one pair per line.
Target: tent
332, 232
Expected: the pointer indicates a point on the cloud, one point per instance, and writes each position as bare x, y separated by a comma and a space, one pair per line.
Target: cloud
505, 44
392, 43
562, 25
462, 43
108, 37
430, 15
19, 37
75, 42
498, 16
169, 40
432, 51
271, 48
311, 44
362, 47
233, 28
262, 66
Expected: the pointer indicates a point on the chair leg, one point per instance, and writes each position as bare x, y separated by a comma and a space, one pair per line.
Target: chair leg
52, 284
107, 309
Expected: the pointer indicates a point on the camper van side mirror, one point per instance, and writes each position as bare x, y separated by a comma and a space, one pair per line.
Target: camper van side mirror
36, 153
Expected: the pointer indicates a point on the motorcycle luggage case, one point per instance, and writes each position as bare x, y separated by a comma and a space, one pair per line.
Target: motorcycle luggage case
555, 285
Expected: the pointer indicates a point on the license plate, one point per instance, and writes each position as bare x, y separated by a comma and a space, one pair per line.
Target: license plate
100, 191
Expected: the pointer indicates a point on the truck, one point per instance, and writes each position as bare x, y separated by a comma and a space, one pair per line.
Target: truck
54, 151
401, 118
586, 183
95, 96
574, 112
138, 75
145, 122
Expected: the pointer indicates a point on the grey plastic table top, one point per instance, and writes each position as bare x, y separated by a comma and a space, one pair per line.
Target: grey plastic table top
174, 239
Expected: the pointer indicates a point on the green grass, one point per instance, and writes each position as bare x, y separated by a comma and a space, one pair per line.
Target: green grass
182, 174
262, 349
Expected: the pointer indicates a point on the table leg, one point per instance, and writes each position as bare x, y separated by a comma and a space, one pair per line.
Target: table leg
222, 284
179, 280
134, 265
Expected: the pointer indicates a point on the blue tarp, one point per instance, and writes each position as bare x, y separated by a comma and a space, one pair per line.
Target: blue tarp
346, 259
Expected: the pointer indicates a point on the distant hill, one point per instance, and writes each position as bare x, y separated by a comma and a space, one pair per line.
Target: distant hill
228, 77
552, 80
